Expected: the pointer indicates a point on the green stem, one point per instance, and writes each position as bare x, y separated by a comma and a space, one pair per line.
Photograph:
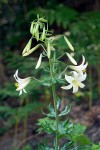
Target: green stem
55, 103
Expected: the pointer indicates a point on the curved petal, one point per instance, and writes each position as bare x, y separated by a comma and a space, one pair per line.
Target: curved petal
75, 88
67, 87
16, 77
20, 92
23, 84
81, 85
75, 74
82, 77
83, 60
24, 91
73, 67
78, 68
81, 67
69, 79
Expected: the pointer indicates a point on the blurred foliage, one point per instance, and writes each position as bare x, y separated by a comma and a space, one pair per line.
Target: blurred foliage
10, 115
82, 30
96, 147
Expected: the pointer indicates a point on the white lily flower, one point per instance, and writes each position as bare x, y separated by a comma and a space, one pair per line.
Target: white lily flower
75, 81
80, 68
21, 83
39, 61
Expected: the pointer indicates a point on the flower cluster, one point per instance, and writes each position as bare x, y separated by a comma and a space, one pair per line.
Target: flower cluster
39, 31
78, 75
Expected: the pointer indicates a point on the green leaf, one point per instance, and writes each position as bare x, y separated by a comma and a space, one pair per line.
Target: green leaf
52, 112
67, 146
96, 147
65, 111
27, 147
46, 124
64, 128
81, 139
79, 128
58, 102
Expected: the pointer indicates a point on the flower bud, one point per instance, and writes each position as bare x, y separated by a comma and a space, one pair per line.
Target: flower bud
48, 50
71, 59
39, 62
43, 34
31, 50
27, 47
68, 43
31, 29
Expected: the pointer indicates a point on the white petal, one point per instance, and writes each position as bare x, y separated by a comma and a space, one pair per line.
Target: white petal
39, 61
17, 78
71, 59
81, 67
20, 92
24, 91
23, 84
69, 79
75, 74
82, 77
16, 75
67, 87
75, 88
78, 68
83, 61
73, 67
81, 85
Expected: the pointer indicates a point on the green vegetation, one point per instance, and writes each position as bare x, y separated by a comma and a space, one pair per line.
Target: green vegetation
83, 32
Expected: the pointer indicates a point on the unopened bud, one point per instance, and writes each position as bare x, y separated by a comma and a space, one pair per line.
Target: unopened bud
39, 62
27, 47
69, 44
31, 50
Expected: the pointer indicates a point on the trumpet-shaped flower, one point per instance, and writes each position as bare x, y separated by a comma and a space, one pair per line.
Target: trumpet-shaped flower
21, 83
80, 68
75, 81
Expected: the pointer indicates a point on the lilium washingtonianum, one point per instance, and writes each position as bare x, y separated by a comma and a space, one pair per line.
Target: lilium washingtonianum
79, 68
75, 81
21, 83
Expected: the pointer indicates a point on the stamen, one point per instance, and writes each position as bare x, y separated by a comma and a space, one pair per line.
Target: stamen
84, 70
76, 83
16, 85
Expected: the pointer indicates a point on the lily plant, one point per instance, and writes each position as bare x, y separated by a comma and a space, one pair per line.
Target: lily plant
74, 74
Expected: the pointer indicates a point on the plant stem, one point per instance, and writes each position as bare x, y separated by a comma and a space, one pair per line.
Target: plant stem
55, 102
